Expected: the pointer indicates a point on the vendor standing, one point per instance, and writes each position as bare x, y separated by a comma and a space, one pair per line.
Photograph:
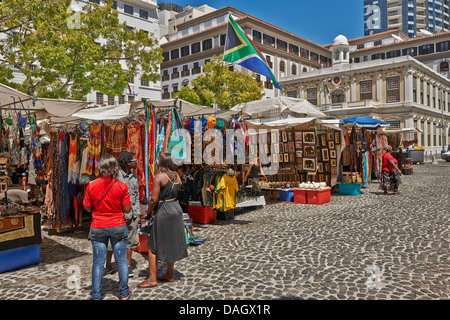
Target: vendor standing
252, 176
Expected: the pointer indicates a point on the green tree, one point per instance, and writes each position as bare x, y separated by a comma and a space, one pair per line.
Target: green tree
219, 85
66, 51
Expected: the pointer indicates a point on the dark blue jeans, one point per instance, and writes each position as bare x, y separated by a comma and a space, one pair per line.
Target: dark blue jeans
99, 238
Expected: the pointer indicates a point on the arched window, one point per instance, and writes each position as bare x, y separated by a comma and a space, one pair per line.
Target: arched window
294, 69
338, 96
443, 67
282, 66
305, 70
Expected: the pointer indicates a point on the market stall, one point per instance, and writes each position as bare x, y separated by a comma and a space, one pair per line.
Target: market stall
362, 154
306, 152
23, 174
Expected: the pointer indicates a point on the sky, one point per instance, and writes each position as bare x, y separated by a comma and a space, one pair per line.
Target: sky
319, 21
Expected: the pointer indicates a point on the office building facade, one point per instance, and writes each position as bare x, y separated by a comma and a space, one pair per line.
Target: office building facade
410, 16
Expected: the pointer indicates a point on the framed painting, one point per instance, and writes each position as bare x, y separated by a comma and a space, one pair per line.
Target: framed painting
291, 157
333, 154
326, 167
290, 136
298, 136
333, 171
286, 157
337, 137
331, 145
323, 140
274, 137
298, 145
299, 153
291, 147
330, 136
320, 167
333, 163
309, 137
309, 151
284, 136
325, 155
280, 158
309, 164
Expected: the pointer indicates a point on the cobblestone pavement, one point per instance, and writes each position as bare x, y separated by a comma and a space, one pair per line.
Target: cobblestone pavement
365, 247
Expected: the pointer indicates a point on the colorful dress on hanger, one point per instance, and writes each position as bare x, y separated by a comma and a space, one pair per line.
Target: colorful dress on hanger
94, 149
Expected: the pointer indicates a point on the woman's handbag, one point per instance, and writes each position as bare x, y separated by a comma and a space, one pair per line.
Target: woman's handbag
147, 224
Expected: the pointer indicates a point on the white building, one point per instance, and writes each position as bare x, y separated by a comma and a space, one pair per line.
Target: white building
138, 14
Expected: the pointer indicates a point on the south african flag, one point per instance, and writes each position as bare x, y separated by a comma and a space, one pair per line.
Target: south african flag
239, 49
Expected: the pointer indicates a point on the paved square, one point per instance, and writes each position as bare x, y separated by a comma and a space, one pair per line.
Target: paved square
365, 247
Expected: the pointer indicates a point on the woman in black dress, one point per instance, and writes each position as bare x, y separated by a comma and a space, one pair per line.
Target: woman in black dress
167, 239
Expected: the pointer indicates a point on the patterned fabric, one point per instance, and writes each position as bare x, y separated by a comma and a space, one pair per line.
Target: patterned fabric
72, 174
134, 144
117, 140
94, 150
388, 181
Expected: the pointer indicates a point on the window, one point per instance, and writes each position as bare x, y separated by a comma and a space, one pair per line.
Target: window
294, 69
95, 1
114, 5
223, 38
394, 124
393, 54
143, 14
269, 40
293, 49
195, 47
207, 44
166, 56
415, 89
269, 62
128, 9
174, 54
314, 56
257, 36
410, 51
122, 99
130, 98
377, 43
421, 92
110, 100
366, 90
338, 96
393, 89
443, 46
311, 94
145, 83
282, 45
426, 49
443, 66
99, 97
304, 53
184, 51
282, 66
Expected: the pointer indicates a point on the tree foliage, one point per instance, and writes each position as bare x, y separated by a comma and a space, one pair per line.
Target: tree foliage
66, 50
219, 85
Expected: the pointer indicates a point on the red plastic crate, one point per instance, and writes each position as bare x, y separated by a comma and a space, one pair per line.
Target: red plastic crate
203, 215
299, 196
318, 196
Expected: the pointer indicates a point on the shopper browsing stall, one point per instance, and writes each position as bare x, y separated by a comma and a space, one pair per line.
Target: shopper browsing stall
390, 172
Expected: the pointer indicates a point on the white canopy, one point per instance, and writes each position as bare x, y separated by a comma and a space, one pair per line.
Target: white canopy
54, 107
283, 123
186, 108
279, 106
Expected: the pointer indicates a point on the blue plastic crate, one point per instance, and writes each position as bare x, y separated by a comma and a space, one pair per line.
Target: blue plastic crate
350, 189
287, 195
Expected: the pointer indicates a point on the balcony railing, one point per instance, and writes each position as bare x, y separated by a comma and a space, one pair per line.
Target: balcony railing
185, 73
175, 75
165, 77
196, 70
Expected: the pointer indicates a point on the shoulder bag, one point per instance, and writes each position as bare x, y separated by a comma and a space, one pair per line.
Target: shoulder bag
103, 196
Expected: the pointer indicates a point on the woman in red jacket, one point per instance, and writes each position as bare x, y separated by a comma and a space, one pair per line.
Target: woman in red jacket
108, 199
389, 181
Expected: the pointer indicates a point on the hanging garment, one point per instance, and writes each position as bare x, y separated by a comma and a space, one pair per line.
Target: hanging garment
94, 149
83, 150
64, 183
71, 171
117, 140
134, 144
